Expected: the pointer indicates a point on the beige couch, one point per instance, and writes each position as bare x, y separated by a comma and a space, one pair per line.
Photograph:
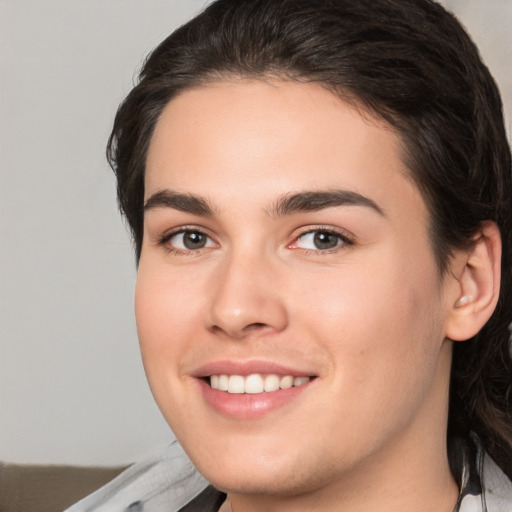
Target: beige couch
25, 488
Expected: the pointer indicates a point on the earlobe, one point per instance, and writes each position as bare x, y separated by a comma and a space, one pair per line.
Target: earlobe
477, 285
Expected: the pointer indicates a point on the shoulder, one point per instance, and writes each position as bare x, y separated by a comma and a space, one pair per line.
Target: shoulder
497, 488
485, 486
166, 482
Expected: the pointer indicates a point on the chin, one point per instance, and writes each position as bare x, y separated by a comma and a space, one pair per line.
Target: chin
288, 473
240, 470
252, 480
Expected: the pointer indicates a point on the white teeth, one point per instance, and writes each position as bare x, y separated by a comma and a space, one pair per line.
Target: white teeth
255, 383
236, 384
223, 382
286, 382
271, 383
298, 381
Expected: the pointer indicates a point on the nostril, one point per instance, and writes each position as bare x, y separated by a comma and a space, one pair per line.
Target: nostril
255, 326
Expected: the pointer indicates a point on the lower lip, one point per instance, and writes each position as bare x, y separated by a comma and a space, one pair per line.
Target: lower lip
246, 406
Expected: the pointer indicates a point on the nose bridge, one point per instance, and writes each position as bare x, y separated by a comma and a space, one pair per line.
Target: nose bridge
245, 295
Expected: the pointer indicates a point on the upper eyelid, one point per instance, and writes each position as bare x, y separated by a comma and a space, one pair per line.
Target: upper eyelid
346, 238
163, 240
168, 234
343, 233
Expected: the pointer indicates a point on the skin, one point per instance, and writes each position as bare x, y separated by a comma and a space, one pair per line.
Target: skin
368, 318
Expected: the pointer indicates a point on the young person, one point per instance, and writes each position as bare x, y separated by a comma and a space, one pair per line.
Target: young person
319, 193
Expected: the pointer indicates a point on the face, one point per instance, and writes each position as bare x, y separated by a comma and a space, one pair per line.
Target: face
285, 245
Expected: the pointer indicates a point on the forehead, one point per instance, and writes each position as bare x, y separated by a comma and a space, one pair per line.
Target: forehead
268, 138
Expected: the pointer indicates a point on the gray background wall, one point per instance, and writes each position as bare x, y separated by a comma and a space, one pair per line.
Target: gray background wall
72, 388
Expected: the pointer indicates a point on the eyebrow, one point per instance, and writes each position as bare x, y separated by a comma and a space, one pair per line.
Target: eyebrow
187, 203
320, 200
295, 203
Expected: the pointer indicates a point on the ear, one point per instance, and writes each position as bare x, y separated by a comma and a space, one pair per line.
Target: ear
474, 293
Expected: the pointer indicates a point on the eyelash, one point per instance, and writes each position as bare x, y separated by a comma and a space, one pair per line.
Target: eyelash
344, 240
167, 237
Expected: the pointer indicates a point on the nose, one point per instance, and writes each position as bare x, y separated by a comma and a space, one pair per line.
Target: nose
246, 298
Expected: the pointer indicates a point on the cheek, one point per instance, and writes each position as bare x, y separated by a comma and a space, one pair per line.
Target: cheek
164, 310
377, 321
355, 299
164, 314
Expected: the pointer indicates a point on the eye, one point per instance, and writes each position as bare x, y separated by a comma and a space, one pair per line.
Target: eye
320, 240
187, 240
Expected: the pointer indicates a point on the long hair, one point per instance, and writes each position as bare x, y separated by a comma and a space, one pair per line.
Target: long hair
408, 62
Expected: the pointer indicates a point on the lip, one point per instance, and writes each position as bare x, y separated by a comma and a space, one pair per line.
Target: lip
245, 368
249, 406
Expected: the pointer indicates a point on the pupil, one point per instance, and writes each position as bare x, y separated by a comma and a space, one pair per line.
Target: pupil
325, 240
194, 240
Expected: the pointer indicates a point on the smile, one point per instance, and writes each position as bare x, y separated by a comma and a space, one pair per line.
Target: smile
255, 383
251, 390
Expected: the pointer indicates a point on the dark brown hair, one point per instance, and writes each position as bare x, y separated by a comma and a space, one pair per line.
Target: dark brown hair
407, 61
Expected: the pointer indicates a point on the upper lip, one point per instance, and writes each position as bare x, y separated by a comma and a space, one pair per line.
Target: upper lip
245, 368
